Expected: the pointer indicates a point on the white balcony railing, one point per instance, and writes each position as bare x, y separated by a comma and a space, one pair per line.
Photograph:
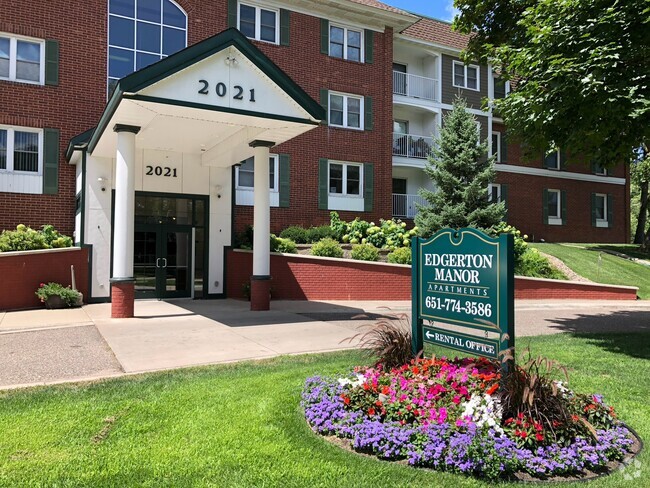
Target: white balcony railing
415, 86
411, 146
404, 206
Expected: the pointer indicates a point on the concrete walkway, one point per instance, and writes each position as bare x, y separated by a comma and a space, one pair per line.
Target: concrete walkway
51, 346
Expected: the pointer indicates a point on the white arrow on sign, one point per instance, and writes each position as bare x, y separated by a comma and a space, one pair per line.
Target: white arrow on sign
427, 333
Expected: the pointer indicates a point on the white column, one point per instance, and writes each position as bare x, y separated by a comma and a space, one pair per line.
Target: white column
123, 227
261, 210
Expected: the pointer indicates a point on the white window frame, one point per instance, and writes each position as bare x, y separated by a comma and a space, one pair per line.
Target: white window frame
13, 50
346, 96
10, 150
555, 219
603, 222
465, 66
496, 151
344, 184
276, 179
492, 186
602, 172
362, 54
558, 160
258, 18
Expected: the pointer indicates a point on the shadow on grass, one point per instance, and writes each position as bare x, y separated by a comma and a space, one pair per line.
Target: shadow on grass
621, 332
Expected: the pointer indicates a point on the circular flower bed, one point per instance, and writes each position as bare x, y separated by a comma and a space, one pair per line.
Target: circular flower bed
448, 415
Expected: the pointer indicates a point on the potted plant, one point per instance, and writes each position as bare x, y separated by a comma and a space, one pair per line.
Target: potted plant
55, 295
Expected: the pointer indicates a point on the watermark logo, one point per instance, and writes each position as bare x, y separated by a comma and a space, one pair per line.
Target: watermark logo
631, 469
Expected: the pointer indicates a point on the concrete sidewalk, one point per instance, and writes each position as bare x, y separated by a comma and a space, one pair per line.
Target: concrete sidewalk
49, 346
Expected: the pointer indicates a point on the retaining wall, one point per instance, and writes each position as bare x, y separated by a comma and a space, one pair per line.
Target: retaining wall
300, 277
22, 272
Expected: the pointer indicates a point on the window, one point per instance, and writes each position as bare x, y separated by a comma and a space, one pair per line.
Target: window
259, 23
553, 160
345, 111
21, 150
494, 192
345, 179
554, 207
21, 59
345, 43
466, 76
245, 174
600, 208
599, 169
496, 146
141, 33
501, 88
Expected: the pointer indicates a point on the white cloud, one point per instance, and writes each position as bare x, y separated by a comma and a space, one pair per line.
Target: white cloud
451, 10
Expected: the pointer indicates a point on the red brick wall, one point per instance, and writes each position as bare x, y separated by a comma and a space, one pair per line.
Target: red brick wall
22, 273
308, 278
525, 201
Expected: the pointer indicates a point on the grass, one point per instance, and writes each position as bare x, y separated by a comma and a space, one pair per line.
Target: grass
241, 425
610, 269
632, 250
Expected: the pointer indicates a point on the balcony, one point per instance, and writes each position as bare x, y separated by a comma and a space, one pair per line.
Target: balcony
411, 146
414, 86
404, 206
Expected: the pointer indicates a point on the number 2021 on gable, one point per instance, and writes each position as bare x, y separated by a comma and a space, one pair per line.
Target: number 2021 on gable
222, 90
161, 171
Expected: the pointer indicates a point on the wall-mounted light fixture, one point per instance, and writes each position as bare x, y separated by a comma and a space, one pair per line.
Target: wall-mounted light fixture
102, 182
231, 60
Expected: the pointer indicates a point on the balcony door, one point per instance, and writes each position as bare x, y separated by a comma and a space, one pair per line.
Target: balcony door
399, 79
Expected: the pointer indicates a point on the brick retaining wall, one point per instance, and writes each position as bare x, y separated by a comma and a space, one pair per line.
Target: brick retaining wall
22, 272
299, 277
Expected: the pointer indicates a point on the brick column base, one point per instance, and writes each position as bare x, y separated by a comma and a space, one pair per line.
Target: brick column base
122, 299
260, 293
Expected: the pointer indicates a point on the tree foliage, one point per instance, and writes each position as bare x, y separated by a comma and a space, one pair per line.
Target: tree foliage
581, 70
461, 172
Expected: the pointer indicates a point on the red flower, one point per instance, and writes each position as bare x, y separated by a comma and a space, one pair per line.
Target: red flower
379, 404
539, 437
523, 434
345, 398
509, 421
385, 390
416, 370
371, 411
492, 389
41, 285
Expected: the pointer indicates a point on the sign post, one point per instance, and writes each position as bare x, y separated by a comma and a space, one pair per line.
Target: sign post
463, 282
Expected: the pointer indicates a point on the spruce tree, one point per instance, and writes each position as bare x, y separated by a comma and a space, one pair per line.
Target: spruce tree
460, 170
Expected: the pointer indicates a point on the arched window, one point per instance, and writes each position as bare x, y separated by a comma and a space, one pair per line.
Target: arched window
141, 32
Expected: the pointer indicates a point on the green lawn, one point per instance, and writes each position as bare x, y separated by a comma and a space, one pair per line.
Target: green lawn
610, 269
632, 250
241, 425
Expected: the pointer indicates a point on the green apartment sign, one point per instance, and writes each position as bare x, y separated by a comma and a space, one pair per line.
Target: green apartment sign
463, 278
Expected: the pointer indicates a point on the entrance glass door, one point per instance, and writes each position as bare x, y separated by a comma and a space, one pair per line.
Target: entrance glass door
162, 261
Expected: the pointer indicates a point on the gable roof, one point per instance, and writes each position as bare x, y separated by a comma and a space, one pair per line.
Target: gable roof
437, 32
380, 5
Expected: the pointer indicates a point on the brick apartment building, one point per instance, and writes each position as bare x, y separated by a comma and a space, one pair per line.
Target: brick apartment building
136, 125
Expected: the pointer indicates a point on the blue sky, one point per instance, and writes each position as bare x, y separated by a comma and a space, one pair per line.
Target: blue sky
439, 9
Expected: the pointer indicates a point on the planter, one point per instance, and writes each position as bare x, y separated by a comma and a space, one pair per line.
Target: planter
55, 301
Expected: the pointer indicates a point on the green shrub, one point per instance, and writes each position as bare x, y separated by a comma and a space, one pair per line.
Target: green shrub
327, 247
534, 265
244, 240
520, 246
401, 255
315, 234
338, 227
278, 244
365, 252
27, 239
297, 234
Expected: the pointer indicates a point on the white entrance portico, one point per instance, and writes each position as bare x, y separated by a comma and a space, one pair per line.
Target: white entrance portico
176, 129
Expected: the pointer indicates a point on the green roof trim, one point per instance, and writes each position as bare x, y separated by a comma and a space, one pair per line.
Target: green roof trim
193, 54
78, 143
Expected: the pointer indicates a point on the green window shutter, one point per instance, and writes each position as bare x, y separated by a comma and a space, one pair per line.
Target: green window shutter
369, 40
368, 186
610, 210
324, 36
51, 62
563, 206
322, 183
504, 147
545, 206
232, 13
593, 209
367, 118
50, 161
504, 197
563, 159
324, 101
285, 186
284, 27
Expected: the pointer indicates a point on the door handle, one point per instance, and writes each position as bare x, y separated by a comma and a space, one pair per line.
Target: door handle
158, 262
164, 262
